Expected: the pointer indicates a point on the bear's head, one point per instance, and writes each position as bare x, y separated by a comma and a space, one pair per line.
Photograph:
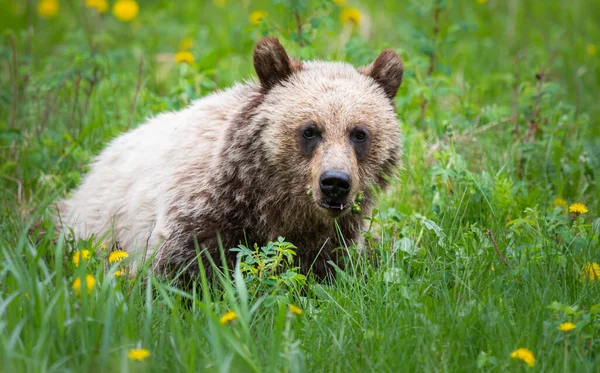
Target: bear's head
329, 129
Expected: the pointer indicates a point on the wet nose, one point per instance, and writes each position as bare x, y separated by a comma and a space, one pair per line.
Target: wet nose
335, 185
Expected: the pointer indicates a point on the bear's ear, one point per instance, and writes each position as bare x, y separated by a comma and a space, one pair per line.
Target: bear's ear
272, 64
387, 70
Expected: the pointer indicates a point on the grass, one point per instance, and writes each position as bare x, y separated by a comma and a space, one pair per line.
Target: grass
475, 257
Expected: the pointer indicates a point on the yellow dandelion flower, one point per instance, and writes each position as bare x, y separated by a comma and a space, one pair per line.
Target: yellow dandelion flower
81, 254
184, 57
482, 1
138, 354
90, 281
351, 15
341, 2
120, 273
186, 44
101, 6
117, 256
48, 8
126, 10
295, 309
559, 202
566, 327
524, 355
591, 49
591, 270
228, 317
103, 246
220, 3
578, 208
257, 17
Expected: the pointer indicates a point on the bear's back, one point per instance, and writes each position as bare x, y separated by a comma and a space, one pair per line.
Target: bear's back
131, 181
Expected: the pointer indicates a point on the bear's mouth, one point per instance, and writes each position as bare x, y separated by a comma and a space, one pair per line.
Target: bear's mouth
335, 208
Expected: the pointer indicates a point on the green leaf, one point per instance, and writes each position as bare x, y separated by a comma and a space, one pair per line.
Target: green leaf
406, 245
431, 225
564, 308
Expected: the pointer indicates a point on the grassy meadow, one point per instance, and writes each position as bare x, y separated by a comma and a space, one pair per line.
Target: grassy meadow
482, 254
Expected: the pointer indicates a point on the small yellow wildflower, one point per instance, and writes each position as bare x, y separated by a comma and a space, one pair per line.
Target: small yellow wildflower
184, 56
341, 2
525, 356
120, 272
138, 354
591, 270
186, 44
126, 10
559, 202
591, 49
81, 254
228, 317
103, 246
295, 309
90, 281
566, 327
117, 256
48, 8
257, 17
578, 208
219, 3
101, 6
351, 15
482, 1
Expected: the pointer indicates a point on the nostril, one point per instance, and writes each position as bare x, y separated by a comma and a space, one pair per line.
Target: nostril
329, 182
343, 185
335, 184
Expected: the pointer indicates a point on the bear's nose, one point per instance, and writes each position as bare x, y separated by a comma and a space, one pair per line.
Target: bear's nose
335, 185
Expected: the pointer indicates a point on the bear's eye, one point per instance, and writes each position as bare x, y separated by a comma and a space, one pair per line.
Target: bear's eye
359, 135
309, 133
361, 141
308, 138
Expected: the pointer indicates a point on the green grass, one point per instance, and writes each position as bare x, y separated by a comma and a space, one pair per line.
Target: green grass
510, 124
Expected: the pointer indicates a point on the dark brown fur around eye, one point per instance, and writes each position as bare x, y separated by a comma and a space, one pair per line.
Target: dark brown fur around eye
361, 147
308, 145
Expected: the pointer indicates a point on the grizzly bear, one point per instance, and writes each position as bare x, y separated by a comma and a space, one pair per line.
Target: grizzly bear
286, 156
